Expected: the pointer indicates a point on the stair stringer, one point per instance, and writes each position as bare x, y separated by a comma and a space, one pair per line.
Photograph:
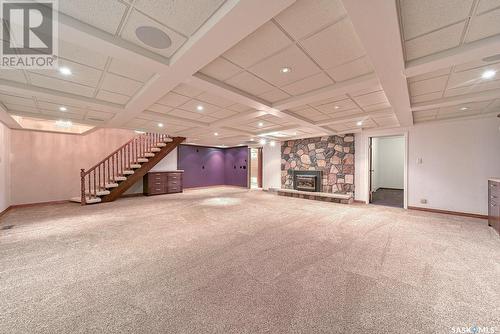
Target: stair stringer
139, 173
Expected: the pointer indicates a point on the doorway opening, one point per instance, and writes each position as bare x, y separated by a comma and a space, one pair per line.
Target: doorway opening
387, 170
255, 168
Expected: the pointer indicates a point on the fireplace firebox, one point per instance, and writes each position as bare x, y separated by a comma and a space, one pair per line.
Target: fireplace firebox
309, 180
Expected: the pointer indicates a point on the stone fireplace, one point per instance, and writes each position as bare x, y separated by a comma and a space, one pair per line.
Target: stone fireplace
307, 180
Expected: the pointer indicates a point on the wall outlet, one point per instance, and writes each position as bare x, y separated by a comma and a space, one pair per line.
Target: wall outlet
419, 161
423, 201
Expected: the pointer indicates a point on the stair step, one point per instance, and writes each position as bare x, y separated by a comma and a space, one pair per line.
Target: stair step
135, 166
111, 185
161, 144
142, 160
88, 200
155, 149
129, 172
149, 155
119, 178
101, 193
168, 140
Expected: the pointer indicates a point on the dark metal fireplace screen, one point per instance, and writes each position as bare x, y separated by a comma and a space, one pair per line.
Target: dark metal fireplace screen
307, 180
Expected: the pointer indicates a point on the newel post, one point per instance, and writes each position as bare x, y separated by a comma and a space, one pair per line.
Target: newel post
82, 175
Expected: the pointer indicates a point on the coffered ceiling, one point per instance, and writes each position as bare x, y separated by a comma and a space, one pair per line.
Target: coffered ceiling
234, 71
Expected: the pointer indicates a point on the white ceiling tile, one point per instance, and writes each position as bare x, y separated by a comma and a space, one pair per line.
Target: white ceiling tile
260, 44
423, 16
82, 75
329, 100
112, 97
223, 113
207, 119
484, 25
480, 87
308, 84
334, 45
185, 114
367, 90
160, 108
249, 83
192, 105
214, 99
187, 90
274, 95
377, 106
386, 121
426, 97
121, 85
18, 107
428, 86
372, 98
312, 115
485, 5
471, 77
185, 16
81, 55
20, 100
307, 16
61, 85
12, 75
173, 99
54, 106
220, 69
473, 64
136, 20
94, 115
136, 123
294, 58
429, 75
337, 106
105, 15
351, 70
128, 70
439, 40
239, 107
66, 115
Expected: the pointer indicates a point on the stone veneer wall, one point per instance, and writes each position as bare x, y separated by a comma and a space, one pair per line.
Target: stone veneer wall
333, 155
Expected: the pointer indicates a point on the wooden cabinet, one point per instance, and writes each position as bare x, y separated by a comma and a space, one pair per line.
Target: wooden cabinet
158, 183
494, 204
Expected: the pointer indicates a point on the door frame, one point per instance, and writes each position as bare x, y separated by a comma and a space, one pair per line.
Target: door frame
367, 148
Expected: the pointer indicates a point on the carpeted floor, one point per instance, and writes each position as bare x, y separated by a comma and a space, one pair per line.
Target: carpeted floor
228, 260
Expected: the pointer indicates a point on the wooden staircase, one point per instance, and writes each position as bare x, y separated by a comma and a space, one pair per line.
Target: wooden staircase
115, 174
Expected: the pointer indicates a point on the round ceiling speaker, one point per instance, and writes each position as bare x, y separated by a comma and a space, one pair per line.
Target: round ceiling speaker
153, 37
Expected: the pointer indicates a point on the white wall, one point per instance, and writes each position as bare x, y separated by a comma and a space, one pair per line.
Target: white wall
388, 162
458, 157
5, 148
271, 166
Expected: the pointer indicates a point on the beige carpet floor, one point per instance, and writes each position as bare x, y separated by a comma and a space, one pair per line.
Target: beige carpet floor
227, 260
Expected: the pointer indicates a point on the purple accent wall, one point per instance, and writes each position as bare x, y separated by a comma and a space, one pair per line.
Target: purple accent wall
210, 166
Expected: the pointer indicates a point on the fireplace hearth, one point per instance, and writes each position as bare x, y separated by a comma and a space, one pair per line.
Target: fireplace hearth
307, 180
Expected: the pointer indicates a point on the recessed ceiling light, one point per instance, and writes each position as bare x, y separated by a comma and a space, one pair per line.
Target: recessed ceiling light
260, 124
464, 108
199, 108
153, 37
488, 74
359, 123
262, 141
272, 143
285, 70
251, 139
64, 124
336, 107
65, 71
63, 108
216, 133
160, 125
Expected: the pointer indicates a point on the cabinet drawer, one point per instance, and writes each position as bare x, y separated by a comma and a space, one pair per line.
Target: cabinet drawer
177, 189
174, 176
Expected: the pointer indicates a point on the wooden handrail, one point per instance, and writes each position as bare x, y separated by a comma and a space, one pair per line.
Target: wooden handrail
113, 166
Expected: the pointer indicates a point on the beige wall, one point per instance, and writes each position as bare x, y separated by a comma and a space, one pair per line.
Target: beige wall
4, 167
46, 166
